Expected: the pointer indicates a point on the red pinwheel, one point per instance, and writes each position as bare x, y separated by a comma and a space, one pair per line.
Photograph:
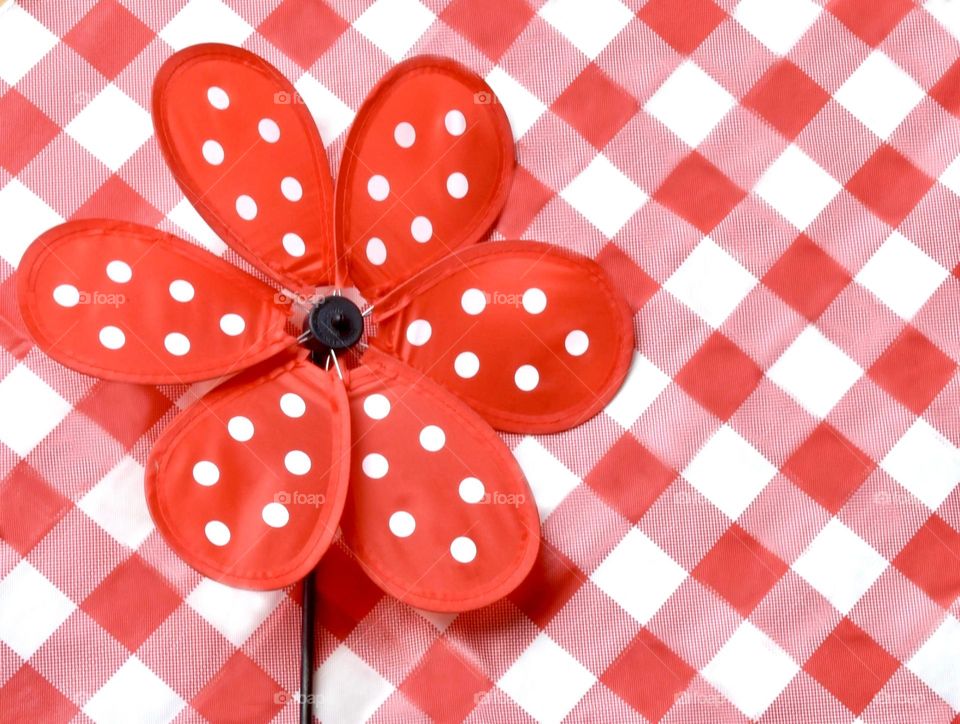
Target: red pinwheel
398, 448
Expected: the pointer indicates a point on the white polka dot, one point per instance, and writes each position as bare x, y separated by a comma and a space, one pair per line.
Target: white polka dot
292, 404
378, 187
119, 271
177, 344
376, 406
375, 466
376, 251
232, 324
418, 333
466, 365
402, 524
463, 549
576, 342
291, 189
240, 428
275, 515
421, 229
218, 97
455, 123
471, 490
527, 377
217, 533
66, 295
297, 462
181, 290
534, 300
473, 301
432, 438
212, 152
404, 134
112, 337
294, 245
246, 208
206, 473
457, 185
269, 130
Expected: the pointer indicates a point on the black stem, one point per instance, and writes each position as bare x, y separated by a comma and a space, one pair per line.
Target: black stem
306, 650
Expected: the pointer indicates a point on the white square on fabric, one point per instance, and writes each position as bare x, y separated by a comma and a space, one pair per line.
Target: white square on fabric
879, 94
590, 26
25, 216
118, 505
206, 21
840, 565
778, 24
31, 410
711, 282
643, 384
546, 681
234, 612
347, 689
750, 670
550, 481
522, 107
815, 372
901, 275
24, 40
729, 472
134, 694
924, 462
31, 609
935, 663
797, 187
690, 103
604, 195
112, 127
394, 26
639, 575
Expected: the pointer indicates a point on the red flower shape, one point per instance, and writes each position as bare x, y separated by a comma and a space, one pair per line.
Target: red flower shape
249, 484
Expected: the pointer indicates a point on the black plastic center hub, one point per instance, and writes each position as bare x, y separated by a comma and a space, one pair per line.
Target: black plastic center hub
335, 322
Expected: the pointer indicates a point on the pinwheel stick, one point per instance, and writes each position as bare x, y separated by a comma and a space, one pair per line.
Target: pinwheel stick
306, 649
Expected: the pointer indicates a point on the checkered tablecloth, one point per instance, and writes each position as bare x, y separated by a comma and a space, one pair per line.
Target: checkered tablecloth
764, 524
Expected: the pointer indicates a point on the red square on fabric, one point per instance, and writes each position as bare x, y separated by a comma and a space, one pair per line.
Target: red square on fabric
932, 560
889, 185
913, 370
648, 675
527, 196
596, 106
26, 130
828, 467
492, 29
29, 697
303, 29
631, 281
719, 376
740, 569
851, 666
786, 98
124, 410
116, 200
946, 91
870, 20
697, 191
807, 278
684, 24
345, 594
240, 691
29, 508
109, 37
551, 582
630, 478
131, 602
462, 684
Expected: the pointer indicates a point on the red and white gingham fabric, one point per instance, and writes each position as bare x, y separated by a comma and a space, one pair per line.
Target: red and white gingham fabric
764, 524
